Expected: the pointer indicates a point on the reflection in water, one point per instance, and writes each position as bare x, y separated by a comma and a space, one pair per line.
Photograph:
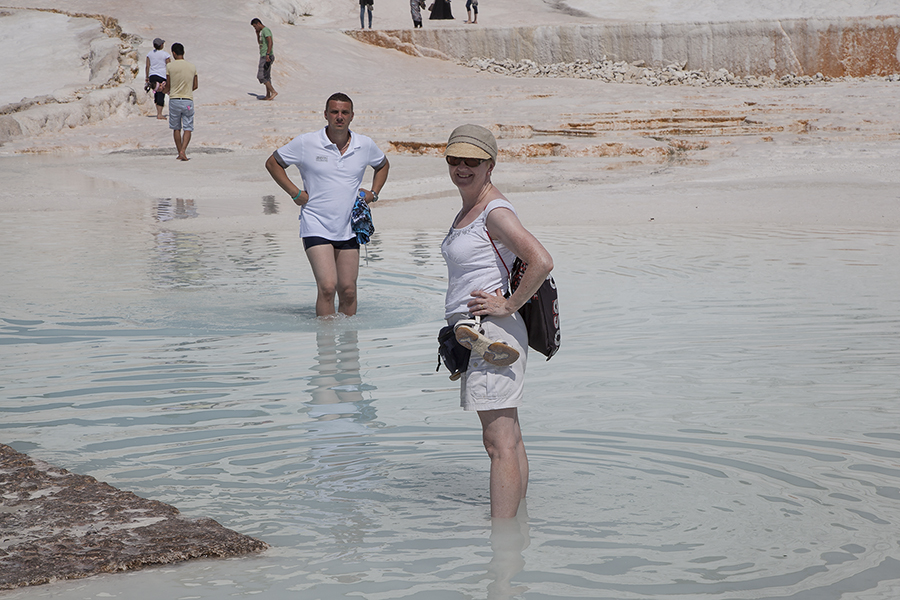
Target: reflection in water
422, 250
188, 259
373, 251
340, 435
178, 260
337, 387
251, 253
509, 538
270, 205
175, 208
178, 255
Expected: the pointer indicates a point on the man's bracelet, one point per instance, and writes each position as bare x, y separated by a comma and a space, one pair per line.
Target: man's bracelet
295, 198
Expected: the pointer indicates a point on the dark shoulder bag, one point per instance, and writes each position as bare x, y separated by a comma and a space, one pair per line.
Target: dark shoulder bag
541, 312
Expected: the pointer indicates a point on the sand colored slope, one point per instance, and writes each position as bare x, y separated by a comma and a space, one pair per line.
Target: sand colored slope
561, 139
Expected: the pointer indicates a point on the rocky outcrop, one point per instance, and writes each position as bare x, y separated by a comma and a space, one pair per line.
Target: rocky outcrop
112, 59
48, 113
58, 525
853, 47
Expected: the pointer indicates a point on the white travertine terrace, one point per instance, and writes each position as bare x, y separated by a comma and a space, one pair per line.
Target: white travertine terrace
834, 47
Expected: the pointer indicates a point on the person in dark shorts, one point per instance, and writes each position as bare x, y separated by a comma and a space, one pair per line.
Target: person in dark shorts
415, 9
332, 162
471, 6
266, 57
155, 73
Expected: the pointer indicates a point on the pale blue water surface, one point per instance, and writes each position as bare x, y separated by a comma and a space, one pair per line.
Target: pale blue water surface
721, 421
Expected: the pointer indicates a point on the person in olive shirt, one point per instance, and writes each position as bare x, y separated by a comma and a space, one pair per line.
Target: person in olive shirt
266, 57
181, 81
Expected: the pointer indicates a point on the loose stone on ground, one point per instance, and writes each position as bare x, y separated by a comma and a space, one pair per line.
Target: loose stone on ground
609, 71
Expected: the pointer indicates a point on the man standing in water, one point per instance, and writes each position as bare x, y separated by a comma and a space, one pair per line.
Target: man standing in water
266, 57
181, 81
332, 162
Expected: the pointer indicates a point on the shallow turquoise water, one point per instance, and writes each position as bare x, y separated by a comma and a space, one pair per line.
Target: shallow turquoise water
720, 422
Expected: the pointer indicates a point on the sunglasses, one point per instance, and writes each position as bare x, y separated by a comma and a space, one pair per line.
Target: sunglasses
454, 161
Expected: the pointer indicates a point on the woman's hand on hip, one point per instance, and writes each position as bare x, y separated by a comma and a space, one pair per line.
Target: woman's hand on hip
484, 304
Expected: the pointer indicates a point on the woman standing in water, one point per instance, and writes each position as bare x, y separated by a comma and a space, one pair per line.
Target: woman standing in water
484, 240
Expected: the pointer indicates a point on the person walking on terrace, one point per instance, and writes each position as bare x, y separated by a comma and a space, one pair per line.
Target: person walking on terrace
155, 75
266, 57
181, 81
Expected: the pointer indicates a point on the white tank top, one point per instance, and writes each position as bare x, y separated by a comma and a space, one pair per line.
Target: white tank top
472, 263
158, 62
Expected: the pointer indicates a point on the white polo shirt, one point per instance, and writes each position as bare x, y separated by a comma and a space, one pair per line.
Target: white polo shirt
331, 179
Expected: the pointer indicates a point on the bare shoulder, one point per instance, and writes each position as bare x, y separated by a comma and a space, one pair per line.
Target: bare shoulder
502, 217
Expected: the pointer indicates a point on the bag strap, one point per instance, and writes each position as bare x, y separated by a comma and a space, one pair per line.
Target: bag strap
508, 274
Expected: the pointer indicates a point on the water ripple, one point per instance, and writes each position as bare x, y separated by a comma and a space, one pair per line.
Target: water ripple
717, 423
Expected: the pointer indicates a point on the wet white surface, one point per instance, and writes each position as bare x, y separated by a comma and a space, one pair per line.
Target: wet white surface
719, 423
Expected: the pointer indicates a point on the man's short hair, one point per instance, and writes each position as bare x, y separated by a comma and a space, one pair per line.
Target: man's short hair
338, 97
255, 21
178, 49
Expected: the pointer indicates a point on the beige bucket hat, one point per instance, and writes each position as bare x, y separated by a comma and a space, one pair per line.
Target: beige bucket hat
472, 141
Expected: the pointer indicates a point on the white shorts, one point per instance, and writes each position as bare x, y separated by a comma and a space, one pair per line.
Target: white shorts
488, 387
